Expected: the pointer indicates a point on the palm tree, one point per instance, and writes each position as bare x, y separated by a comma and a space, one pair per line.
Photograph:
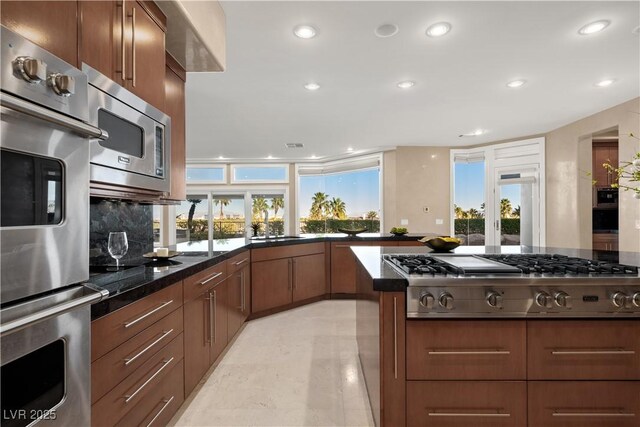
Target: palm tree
222, 203
277, 203
482, 210
192, 211
319, 206
371, 215
516, 212
458, 212
337, 208
259, 206
505, 208
473, 213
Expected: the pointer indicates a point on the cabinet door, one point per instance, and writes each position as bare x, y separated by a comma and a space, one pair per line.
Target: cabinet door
234, 297
270, 284
100, 32
146, 56
246, 289
343, 265
308, 277
219, 310
52, 25
196, 341
175, 108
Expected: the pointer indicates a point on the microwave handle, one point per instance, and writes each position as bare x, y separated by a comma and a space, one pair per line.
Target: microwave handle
38, 112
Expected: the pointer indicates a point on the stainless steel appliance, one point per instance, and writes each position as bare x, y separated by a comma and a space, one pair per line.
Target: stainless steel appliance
518, 285
44, 237
607, 197
137, 152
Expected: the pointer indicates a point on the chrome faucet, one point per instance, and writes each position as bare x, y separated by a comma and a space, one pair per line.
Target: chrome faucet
266, 224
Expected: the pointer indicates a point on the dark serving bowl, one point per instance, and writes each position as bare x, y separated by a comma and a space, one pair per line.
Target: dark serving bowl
352, 231
438, 244
399, 234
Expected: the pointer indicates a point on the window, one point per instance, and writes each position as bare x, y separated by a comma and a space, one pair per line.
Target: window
334, 196
469, 200
229, 216
157, 225
247, 174
206, 174
268, 209
192, 223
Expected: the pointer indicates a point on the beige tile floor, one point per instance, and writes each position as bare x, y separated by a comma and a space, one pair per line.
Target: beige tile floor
296, 368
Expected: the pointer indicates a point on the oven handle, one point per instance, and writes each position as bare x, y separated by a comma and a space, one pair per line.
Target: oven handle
42, 113
53, 311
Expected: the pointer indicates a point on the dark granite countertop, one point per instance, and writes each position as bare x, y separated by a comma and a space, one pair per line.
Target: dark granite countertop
387, 279
129, 285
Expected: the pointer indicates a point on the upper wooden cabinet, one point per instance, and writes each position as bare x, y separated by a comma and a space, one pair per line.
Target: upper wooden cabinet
52, 25
175, 107
604, 152
125, 41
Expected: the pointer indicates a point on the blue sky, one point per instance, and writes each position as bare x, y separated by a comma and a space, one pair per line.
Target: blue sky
469, 187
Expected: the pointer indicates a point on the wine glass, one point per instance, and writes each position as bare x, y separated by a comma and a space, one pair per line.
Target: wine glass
118, 245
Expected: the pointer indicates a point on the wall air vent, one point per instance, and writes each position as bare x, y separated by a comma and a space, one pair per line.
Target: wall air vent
294, 145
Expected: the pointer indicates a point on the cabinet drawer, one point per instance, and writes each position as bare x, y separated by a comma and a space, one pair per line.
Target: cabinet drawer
124, 360
470, 350
238, 262
584, 350
200, 282
160, 404
286, 251
584, 404
466, 403
125, 396
110, 331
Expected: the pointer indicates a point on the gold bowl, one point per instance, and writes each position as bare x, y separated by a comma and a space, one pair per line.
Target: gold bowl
441, 244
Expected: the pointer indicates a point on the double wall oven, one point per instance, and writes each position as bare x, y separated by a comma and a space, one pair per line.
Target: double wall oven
44, 237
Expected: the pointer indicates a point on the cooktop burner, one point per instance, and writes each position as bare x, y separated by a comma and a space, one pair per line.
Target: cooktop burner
562, 265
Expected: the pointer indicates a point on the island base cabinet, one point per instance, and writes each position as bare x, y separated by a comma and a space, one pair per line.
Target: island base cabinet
584, 403
466, 403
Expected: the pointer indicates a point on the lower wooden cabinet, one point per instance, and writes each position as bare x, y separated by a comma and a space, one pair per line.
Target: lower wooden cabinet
239, 292
309, 278
270, 284
343, 265
584, 403
466, 403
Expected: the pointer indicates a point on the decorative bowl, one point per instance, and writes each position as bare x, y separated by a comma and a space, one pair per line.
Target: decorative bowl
352, 231
398, 231
439, 244
398, 234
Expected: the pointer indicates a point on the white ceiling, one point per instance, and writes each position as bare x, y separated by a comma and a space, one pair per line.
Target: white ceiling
258, 104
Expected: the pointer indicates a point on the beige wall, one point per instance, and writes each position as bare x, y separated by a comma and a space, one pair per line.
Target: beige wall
568, 210
415, 177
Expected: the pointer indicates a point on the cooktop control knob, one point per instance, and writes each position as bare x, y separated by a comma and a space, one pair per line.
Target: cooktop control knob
543, 299
427, 300
636, 299
446, 301
621, 300
62, 84
494, 299
30, 69
562, 299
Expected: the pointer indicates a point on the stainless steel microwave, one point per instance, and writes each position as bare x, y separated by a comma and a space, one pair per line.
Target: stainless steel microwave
606, 197
137, 152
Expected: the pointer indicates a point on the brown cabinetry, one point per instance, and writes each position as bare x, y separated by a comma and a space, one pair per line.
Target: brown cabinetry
52, 25
283, 275
175, 107
343, 265
605, 241
604, 152
239, 292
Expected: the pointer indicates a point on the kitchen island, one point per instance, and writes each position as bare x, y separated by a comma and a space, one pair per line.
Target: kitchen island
456, 350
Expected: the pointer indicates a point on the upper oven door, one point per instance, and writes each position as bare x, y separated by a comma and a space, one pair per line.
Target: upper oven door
136, 142
44, 203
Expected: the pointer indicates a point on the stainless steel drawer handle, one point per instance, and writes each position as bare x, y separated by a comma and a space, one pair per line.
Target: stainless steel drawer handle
144, 316
215, 276
166, 403
128, 397
469, 414
130, 360
591, 352
241, 261
593, 414
469, 353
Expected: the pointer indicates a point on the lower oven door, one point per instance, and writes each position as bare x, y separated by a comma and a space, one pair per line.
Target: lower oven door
46, 360
44, 218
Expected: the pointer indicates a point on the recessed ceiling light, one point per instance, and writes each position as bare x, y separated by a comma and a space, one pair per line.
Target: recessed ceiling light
516, 83
476, 132
312, 86
594, 27
313, 156
406, 84
439, 29
269, 157
221, 157
386, 30
349, 149
605, 83
305, 31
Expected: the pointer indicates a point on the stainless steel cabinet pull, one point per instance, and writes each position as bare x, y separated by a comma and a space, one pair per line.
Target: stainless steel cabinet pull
290, 274
212, 277
395, 337
591, 352
130, 360
469, 353
293, 273
593, 414
242, 297
144, 316
81, 128
133, 46
468, 414
128, 397
212, 317
166, 403
122, 50
241, 261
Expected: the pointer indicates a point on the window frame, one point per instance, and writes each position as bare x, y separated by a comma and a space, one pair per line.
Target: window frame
234, 166
207, 166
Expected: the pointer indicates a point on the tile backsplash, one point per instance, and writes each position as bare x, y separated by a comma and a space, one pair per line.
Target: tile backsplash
108, 215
